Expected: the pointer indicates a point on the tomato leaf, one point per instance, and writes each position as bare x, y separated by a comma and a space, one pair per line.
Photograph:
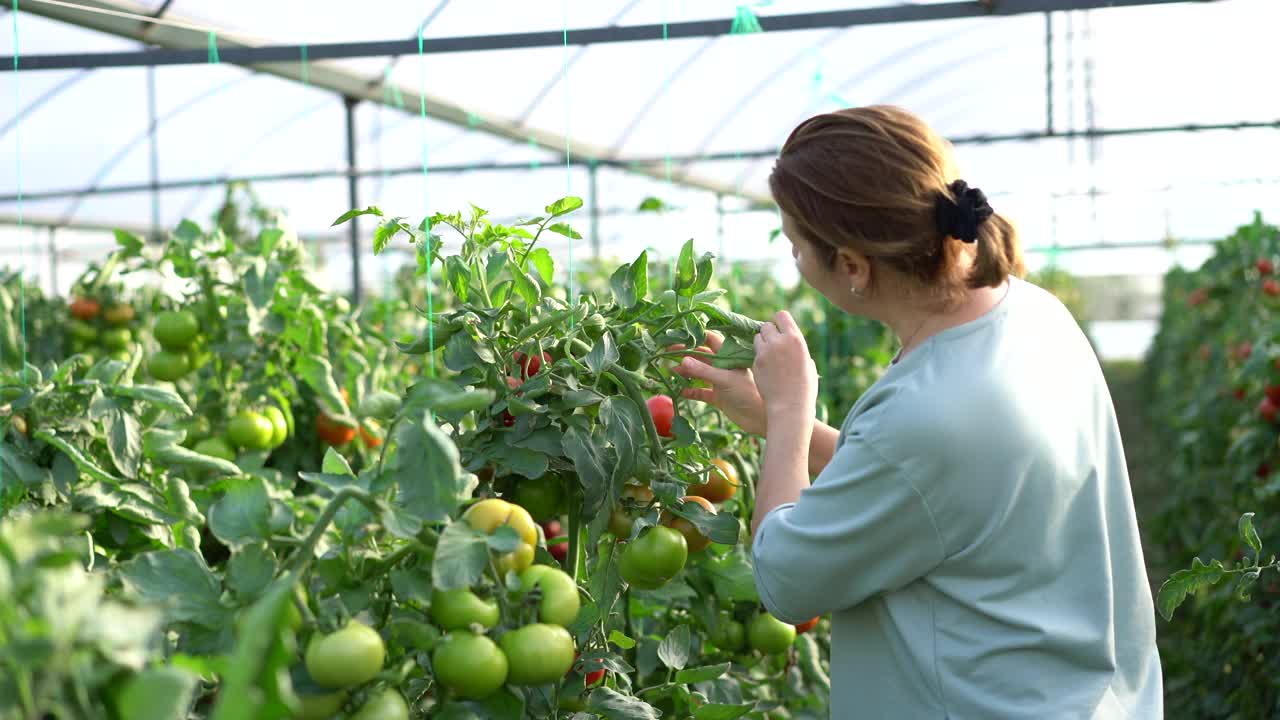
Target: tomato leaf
519, 461
686, 272
335, 464
124, 441
674, 650
462, 353
180, 581
443, 396
256, 685
412, 585
621, 640
163, 446
159, 397
525, 287
588, 461
722, 528
603, 354
459, 276
1174, 590
541, 260
1245, 582
732, 576
17, 462
735, 354
260, 285
380, 404
241, 516
1249, 533
503, 540
565, 230
706, 673
625, 427
564, 206
250, 570
616, 706
371, 210
129, 243
705, 270
317, 373
461, 557
398, 522
157, 693
715, 711
426, 469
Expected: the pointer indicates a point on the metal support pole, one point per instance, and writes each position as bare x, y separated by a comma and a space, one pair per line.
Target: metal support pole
155, 154
594, 199
353, 197
1048, 73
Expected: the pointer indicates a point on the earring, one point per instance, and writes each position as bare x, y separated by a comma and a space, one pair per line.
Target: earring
857, 292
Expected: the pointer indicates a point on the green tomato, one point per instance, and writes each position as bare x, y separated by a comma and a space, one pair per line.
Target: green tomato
653, 558
729, 634
595, 325
560, 602
281, 425
82, 331
116, 338
387, 704
216, 447
176, 330
460, 608
770, 635
321, 707
169, 366
632, 358
470, 665
351, 656
251, 430
538, 654
542, 497
121, 355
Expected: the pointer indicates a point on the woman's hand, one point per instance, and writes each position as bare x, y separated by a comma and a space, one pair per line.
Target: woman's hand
733, 392
785, 375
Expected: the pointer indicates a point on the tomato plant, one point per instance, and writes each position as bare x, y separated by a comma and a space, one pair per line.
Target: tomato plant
350, 656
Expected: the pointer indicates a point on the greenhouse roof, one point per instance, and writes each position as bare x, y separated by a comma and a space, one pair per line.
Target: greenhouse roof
1123, 125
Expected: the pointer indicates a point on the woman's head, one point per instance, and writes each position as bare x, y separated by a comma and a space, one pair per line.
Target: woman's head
870, 200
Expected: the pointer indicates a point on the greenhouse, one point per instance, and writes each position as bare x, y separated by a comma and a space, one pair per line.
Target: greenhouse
415, 359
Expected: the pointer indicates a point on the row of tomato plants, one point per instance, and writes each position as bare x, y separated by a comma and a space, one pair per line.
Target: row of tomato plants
1213, 390
264, 503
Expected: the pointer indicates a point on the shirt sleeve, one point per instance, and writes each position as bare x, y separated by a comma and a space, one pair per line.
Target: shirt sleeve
862, 528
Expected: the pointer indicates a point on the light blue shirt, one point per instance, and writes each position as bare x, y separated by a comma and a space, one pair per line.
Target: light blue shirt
974, 536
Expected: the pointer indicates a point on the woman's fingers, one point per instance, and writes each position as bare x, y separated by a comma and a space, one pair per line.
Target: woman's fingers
785, 322
714, 340
700, 394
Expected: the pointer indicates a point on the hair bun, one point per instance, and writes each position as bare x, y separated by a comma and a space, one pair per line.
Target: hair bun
960, 211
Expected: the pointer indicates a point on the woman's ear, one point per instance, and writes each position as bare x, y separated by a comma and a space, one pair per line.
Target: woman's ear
854, 267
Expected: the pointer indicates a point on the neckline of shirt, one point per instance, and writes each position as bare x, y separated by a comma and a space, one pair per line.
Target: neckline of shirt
997, 312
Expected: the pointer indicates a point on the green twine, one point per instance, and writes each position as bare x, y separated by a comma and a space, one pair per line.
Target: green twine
213, 47
745, 22
426, 223
534, 162
17, 155
391, 91
568, 172
306, 69
473, 120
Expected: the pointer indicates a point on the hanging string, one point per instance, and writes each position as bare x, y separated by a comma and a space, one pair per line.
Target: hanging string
426, 222
213, 47
306, 69
17, 156
568, 172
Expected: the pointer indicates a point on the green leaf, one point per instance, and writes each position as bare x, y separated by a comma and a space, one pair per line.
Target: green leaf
443, 396
18, 463
260, 284
705, 271
503, 540
131, 244
371, 210
1249, 534
460, 353
387, 230
630, 283
158, 693
398, 522
380, 404
458, 276
730, 323
706, 673
242, 515
732, 577
525, 287
588, 461
1174, 590
250, 570
160, 397
162, 446
86, 466
334, 463
520, 461
603, 354
651, 204
505, 704
462, 554
624, 427
716, 711
565, 230
674, 650
564, 206
180, 581
622, 641
541, 260
722, 528
616, 706
317, 373
735, 354
187, 232
256, 683
1246, 581
686, 272
124, 441
426, 469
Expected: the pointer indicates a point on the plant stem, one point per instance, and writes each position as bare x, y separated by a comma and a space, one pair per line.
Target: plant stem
575, 532
306, 553
381, 566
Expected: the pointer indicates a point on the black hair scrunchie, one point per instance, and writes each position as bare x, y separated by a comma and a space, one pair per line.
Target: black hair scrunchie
961, 211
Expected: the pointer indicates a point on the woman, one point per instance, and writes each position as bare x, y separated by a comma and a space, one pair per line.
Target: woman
971, 528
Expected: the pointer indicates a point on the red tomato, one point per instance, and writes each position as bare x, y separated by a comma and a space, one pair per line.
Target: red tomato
1198, 297
1239, 393
1273, 394
1265, 267
507, 418
533, 364
560, 549
805, 627
332, 432
1244, 350
1264, 470
85, 308
594, 676
663, 410
1267, 410
1271, 287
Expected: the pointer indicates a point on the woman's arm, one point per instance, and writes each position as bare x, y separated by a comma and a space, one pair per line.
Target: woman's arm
789, 448
822, 447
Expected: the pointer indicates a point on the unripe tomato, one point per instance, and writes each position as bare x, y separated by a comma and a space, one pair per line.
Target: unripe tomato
532, 364
118, 314
770, 635
351, 656
116, 338
85, 308
537, 654
386, 704
321, 707
121, 355
168, 366
620, 519
216, 447
560, 602
279, 425
696, 540
663, 410
460, 608
595, 325
729, 634
470, 665
542, 496
333, 432
251, 430
176, 330
653, 558
488, 514
82, 331
721, 484
808, 625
